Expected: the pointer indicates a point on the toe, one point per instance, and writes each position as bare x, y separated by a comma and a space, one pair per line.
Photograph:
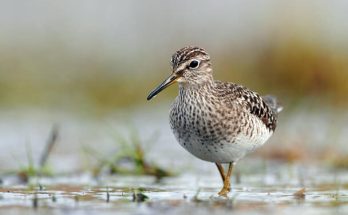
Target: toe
223, 193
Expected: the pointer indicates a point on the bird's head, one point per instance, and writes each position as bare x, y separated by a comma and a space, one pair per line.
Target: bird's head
191, 66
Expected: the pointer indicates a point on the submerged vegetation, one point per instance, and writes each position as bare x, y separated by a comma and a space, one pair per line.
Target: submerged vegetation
129, 157
41, 169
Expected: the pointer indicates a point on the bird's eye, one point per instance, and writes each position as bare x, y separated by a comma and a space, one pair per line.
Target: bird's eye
194, 64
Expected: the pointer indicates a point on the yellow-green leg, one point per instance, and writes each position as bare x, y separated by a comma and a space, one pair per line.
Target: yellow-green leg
225, 178
221, 171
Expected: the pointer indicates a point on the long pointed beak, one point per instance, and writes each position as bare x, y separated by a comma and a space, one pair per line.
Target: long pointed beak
169, 81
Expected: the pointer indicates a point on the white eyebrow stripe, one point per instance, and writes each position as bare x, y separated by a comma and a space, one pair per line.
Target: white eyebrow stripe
198, 50
181, 67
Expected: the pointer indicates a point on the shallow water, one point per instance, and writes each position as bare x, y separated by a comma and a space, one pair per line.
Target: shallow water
263, 193
263, 186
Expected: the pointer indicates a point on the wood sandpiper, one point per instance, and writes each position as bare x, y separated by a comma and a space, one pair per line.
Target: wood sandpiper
216, 121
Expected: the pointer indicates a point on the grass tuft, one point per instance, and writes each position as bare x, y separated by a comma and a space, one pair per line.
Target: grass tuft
129, 158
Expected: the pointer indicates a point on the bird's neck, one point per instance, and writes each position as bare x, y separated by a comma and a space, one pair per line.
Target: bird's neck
197, 89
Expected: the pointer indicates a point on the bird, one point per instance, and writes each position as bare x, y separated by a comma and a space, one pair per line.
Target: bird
216, 121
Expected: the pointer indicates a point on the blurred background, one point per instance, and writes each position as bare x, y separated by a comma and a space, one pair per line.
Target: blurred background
88, 66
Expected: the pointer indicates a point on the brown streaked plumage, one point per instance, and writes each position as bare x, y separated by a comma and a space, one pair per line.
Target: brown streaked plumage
216, 121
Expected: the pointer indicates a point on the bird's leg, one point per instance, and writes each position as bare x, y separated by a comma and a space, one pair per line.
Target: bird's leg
228, 176
221, 171
227, 185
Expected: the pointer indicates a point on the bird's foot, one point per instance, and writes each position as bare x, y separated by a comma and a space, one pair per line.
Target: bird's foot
225, 190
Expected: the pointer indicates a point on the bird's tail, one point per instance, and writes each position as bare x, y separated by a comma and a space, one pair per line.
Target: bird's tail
273, 103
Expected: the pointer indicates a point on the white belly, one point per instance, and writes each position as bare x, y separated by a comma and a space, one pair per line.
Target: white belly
223, 150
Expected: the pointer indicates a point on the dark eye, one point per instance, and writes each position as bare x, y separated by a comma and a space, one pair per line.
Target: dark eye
194, 64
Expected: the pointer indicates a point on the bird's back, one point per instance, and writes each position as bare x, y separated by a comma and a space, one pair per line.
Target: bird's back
266, 108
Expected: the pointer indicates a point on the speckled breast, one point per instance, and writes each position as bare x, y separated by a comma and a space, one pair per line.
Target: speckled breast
213, 134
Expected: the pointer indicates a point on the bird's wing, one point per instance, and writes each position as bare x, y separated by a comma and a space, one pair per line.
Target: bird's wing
265, 108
